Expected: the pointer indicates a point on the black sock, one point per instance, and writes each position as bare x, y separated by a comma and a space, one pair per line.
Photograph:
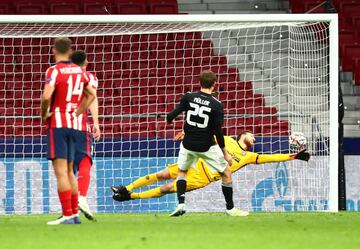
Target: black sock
181, 188
228, 194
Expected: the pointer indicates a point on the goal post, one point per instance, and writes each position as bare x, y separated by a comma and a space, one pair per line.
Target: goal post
277, 74
334, 108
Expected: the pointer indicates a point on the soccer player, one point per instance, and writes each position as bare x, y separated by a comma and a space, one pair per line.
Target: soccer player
83, 154
204, 118
201, 175
61, 108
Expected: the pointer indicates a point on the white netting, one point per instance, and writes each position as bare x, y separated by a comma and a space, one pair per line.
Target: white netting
273, 79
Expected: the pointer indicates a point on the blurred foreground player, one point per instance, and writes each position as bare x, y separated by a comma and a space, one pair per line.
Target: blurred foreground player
61, 109
83, 145
201, 175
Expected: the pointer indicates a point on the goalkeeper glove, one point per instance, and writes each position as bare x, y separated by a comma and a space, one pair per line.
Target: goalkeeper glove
179, 136
302, 155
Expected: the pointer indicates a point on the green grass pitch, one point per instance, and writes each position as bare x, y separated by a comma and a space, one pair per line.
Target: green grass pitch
193, 230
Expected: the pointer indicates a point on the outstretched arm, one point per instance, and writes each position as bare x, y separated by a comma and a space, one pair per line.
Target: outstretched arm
301, 155
89, 97
179, 136
179, 109
45, 101
51, 76
94, 110
262, 158
94, 107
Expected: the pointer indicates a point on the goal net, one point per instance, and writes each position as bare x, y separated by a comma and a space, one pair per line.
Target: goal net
275, 77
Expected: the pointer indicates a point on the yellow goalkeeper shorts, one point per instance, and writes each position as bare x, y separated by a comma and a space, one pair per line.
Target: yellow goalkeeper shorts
195, 178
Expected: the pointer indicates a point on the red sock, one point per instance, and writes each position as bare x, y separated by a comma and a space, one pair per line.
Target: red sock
65, 200
84, 176
74, 203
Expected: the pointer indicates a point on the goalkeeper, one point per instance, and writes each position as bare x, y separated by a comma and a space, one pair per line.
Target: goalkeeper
201, 175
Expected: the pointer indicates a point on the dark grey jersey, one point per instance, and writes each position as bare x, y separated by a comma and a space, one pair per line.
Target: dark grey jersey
204, 118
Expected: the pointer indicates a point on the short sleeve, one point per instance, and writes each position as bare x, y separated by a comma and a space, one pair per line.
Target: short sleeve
51, 76
86, 80
93, 81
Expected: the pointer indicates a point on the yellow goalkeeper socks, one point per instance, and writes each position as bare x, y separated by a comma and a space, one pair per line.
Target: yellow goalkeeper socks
142, 181
152, 193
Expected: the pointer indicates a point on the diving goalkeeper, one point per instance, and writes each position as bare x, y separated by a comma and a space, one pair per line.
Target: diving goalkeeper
201, 175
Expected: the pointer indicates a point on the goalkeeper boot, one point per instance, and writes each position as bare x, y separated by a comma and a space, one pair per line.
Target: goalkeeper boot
236, 212
62, 220
76, 218
85, 209
180, 210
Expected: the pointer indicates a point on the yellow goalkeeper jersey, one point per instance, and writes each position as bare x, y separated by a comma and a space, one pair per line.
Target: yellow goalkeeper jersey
201, 176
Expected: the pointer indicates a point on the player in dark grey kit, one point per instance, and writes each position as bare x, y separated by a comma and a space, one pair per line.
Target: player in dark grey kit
204, 118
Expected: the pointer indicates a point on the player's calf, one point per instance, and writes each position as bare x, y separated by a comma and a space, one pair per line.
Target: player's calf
163, 175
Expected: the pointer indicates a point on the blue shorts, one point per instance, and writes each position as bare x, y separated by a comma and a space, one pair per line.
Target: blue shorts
83, 148
60, 143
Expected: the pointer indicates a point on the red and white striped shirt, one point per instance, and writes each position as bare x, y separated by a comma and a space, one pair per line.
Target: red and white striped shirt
93, 82
69, 81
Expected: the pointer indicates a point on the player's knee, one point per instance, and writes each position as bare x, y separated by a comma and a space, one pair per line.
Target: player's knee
71, 174
167, 188
163, 175
181, 177
61, 174
85, 163
226, 175
70, 171
181, 174
227, 172
226, 181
